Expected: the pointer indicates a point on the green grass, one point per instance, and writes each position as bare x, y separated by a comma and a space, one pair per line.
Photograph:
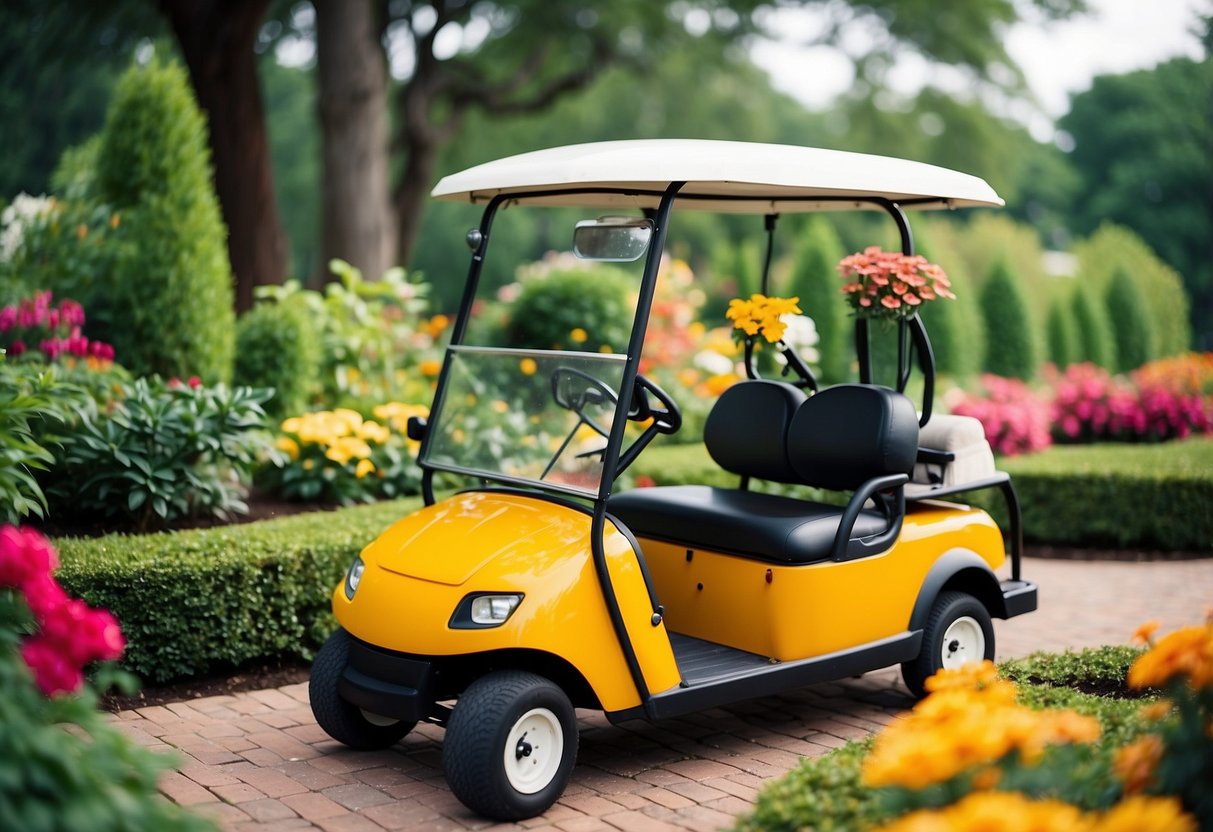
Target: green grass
1183, 459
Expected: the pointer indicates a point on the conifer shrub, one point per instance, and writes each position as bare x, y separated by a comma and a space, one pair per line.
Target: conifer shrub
1093, 341
1062, 339
815, 281
169, 295
1132, 331
1009, 350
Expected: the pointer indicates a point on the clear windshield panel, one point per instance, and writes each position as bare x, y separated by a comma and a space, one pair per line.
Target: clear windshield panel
532, 417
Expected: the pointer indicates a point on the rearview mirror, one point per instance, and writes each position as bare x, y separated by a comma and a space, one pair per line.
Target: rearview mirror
613, 239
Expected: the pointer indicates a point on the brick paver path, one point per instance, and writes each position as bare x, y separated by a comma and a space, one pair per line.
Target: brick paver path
258, 761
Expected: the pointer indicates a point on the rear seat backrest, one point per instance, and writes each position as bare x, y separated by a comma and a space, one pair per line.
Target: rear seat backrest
850, 433
746, 432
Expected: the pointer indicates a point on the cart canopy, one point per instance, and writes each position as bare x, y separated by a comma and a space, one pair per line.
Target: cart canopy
723, 176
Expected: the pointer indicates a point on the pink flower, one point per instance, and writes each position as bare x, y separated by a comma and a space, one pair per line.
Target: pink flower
25, 556
194, 382
53, 671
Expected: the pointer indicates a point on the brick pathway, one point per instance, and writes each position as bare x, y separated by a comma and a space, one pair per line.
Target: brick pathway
258, 761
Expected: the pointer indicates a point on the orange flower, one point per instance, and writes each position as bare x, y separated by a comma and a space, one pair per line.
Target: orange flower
1146, 814
430, 368
1135, 763
1144, 633
1185, 652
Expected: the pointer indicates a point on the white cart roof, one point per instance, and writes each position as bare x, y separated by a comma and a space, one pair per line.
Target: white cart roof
731, 177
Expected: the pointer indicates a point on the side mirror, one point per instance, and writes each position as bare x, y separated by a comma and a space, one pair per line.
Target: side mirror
416, 428
612, 239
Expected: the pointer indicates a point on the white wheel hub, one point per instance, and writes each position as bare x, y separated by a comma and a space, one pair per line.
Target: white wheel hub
378, 720
963, 642
533, 751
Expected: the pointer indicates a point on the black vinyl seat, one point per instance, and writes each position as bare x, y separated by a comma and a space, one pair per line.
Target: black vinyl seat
845, 437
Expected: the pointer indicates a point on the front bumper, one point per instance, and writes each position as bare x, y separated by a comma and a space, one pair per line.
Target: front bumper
389, 684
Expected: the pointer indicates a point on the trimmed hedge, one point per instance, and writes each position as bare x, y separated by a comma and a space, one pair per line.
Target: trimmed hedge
1154, 496
193, 602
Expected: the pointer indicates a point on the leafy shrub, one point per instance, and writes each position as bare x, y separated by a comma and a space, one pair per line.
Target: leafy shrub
193, 602
53, 331
1094, 342
1103, 667
1133, 336
277, 346
378, 345
91, 777
162, 451
337, 456
169, 295
563, 306
1009, 349
1014, 418
29, 395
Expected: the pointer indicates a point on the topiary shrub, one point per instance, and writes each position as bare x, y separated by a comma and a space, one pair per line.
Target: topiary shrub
169, 297
278, 346
1009, 352
814, 280
570, 308
1060, 335
1132, 332
1093, 342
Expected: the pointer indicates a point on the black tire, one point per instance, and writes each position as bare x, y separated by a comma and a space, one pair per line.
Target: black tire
487, 719
943, 644
342, 721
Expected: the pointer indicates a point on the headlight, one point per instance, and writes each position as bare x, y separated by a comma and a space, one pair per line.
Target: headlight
484, 610
353, 577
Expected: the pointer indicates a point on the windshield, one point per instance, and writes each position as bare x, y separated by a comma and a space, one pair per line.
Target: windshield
530, 417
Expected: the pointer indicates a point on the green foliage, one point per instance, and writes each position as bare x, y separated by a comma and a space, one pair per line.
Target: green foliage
194, 602
169, 296
88, 778
954, 326
1147, 496
1142, 150
1059, 329
1133, 336
814, 280
158, 453
1103, 668
277, 346
29, 394
372, 333
586, 309
1009, 348
1094, 338
1114, 248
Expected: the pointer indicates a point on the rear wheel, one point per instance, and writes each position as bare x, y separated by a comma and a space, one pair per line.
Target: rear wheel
342, 721
958, 631
510, 745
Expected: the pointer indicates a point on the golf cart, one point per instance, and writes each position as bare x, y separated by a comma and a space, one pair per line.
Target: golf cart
497, 610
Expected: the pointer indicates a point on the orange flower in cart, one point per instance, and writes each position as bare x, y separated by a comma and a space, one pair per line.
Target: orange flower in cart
885, 284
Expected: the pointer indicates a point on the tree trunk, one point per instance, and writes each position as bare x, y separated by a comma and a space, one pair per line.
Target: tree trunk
359, 226
216, 38
413, 189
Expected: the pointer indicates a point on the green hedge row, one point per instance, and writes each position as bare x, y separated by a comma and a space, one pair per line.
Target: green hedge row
1139, 496
197, 601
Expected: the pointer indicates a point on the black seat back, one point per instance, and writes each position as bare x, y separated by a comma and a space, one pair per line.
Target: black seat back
746, 432
851, 433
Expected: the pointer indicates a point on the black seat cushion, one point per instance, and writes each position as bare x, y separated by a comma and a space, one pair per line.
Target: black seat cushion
759, 526
746, 432
850, 433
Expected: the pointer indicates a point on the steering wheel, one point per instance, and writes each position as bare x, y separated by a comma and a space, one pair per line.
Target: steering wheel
667, 418
576, 390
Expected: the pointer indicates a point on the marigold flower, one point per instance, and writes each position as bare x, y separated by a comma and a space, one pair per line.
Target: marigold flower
578, 335
290, 446
1187, 652
364, 467
1146, 814
528, 366
373, 432
1144, 633
430, 368
994, 812
1136, 762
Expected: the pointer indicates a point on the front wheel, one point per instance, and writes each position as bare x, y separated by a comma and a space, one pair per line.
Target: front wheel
342, 721
510, 745
958, 631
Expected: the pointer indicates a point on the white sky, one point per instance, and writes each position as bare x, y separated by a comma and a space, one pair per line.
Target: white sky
1058, 59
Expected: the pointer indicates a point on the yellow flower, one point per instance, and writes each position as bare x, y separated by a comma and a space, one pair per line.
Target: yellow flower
430, 368
351, 418
499, 406
285, 443
347, 448
971, 676
578, 335
994, 812
761, 315
528, 366
364, 467
115, 220
291, 425
373, 432
309, 464
1146, 814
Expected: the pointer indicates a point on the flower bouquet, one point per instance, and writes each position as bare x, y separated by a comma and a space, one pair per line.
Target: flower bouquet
890, 285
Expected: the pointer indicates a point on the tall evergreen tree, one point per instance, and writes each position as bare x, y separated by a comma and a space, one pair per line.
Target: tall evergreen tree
1093, 341
814, 280
1132, 335
1061, 336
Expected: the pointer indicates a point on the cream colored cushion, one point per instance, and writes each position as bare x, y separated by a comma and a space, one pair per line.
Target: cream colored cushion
964, 437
